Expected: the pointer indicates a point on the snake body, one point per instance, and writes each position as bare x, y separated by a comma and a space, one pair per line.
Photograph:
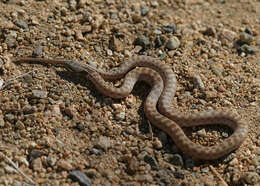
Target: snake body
162, 80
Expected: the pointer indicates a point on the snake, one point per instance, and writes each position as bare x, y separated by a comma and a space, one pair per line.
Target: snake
158, 105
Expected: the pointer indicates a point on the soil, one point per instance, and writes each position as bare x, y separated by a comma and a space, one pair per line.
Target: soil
59, 130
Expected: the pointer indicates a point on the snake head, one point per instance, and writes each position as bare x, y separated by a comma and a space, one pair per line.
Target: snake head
85, 70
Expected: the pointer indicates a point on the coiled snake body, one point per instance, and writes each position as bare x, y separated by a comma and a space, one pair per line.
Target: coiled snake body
163, 82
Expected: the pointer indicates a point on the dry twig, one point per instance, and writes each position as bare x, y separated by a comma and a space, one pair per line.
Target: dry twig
17, 168
17, 77
215, 172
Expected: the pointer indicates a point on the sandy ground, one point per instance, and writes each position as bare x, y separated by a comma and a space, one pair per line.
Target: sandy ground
59, 130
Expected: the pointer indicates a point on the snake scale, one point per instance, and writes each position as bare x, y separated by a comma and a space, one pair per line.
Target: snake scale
157, 106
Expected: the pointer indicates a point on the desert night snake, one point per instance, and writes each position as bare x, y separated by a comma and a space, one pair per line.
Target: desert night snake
157, 106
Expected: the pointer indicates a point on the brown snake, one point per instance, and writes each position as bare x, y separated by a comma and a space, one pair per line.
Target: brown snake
163, 82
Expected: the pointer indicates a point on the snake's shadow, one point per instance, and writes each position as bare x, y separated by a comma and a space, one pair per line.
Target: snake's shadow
139, 89
142, 90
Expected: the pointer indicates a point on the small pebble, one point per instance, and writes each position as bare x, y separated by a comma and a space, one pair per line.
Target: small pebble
198, 83
38, 51
116, 45
174, 159
210, 31
21, 24
19, 125
109, 52
103, 143
37, 164
142, 41
159, 42
249, 32
79, 177
1, 83
227, 34
202, 133
248, 49
39, 94
172, 28
10, 170
157, 32
205, 170
64, 165
246, 38
173, 43
132, 166
144, 10
251, 178
2, 122
151, 160
9, 117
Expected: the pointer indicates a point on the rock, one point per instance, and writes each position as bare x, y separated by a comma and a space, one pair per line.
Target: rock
10, 170
79, 177
151, 161
120, 111
2, 122
198, 83
64, 165
19, 125
51, 161
39, 94
174, 159
144, 178
38, 51
17, 183
210, 31
248, 49
109, 52
86, 29
157, 144
103, 143
256, 161
73, 4
28, 109
71, 111
132, 166
136, 18
37, 164
173, 43
1, 83
142, 41
10, 40
205, 170
228, 35
154, 4
157, 32
144, 10
245, 38
224, 134
249, 32
158, 42
35, 153
251, 178
202, 133
21, 24
115, 44
79, 36
9, 117
171, 28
